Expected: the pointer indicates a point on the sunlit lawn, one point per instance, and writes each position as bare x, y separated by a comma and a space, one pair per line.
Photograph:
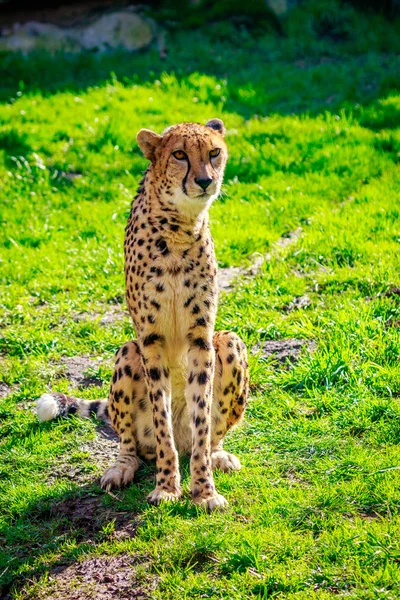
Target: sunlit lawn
314, 137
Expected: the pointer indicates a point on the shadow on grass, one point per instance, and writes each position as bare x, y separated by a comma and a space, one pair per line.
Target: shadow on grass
259, 78
63, 525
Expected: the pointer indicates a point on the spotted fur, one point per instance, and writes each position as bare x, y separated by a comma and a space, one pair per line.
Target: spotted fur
180, 386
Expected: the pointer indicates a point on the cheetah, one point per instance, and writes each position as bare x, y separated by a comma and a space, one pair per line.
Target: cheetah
180, 386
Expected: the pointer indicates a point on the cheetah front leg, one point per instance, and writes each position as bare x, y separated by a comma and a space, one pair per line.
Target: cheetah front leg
159, 386
201, 359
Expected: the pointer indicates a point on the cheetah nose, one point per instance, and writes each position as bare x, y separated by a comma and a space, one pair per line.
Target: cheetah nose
203, 183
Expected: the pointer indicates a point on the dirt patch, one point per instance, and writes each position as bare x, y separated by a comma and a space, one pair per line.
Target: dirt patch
370, 515
77, 370
289, 238
393, 293
87, 515
293, 478
283, 352
393, 323
113, 315
298, 303
98, 578
102, 453
227, 276
104, 448
5, 390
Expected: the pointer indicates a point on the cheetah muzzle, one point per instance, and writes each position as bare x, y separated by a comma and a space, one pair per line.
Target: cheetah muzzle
180, 386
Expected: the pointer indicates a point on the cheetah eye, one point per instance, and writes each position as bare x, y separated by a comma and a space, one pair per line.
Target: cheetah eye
214, 153
180, 155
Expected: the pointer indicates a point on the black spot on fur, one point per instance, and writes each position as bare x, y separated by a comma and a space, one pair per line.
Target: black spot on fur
162, 246
202, 377
155, 374
157, 271
188, 301
152, 339
201, 343
128, 371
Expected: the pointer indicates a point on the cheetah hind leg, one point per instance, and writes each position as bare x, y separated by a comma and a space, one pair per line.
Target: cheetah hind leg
231, 390
127, 384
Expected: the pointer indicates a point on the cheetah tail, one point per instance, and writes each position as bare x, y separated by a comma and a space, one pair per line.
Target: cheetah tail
51, 406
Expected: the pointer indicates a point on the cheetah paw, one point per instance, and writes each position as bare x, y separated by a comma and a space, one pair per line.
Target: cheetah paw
224, 461
215, 502
157, 496
118, 475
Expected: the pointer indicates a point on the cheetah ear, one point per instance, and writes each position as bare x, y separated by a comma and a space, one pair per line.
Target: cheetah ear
148, 142
217, 125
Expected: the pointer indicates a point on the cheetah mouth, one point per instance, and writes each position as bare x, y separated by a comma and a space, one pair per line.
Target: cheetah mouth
203, 196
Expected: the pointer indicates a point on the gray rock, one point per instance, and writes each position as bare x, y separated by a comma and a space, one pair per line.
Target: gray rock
38, 36
5, 390
120, 29
280, 7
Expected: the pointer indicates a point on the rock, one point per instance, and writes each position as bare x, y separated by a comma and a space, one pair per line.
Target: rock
119, 29
5, 390
280, 7
37, 36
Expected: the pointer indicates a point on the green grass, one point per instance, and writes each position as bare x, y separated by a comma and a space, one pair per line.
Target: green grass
314, 137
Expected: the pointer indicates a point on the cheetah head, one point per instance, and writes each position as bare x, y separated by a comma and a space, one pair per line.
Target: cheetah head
188, 162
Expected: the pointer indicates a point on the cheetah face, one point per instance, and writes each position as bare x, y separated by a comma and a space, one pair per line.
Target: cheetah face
189, 161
